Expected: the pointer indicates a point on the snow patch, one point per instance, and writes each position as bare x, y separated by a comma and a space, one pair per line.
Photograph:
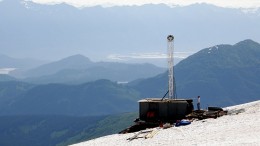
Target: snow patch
6, 70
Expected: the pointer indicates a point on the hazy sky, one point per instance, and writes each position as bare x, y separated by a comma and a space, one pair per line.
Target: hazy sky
73, 35
107, 3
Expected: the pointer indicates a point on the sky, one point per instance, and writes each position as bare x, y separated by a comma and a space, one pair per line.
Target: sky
107, 3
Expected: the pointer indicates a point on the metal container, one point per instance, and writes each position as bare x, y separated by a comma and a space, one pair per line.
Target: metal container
166, 110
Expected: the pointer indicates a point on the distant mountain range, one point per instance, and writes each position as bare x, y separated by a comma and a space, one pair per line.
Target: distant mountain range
74, 69
79, 69
24, 63
55, 31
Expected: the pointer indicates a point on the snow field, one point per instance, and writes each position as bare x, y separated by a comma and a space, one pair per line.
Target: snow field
230, 130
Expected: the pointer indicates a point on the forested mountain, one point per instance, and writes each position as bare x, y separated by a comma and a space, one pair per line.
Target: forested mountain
10, 91
59, 130
101, 97
222, 75
5, 77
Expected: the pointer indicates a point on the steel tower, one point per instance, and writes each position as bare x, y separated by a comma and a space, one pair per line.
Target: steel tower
170, 44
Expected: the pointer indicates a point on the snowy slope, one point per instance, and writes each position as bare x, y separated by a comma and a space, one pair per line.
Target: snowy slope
232, 129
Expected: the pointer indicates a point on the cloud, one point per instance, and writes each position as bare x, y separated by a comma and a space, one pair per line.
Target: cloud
109, 3
155, 55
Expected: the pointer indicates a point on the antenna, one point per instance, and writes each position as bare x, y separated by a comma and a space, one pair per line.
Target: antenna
170, 40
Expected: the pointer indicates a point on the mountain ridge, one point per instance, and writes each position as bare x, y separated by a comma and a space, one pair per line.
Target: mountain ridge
72, 62
245, 50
